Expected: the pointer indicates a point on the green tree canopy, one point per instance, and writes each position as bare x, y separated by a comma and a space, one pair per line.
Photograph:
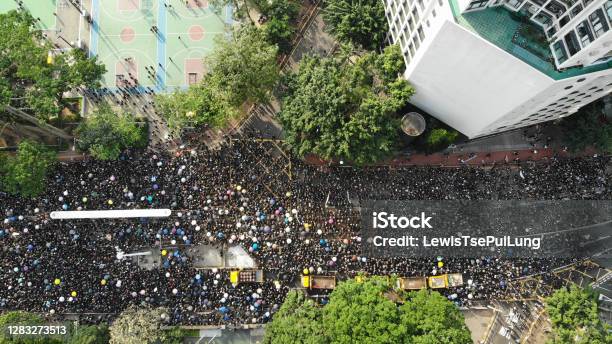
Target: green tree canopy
138, 326
339, 110
297, 321
90, 334
243, 67
588, 128
390, 63
105, 134
24, 174
279, 32
28, 81
175, 335
23, 318
440, 138
430, 318
361, 312
240, 8
196, 106
360, 22
279, 28
574, 316
369, 311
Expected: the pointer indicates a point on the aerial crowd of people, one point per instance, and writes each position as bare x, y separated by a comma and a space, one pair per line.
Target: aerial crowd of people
287, 215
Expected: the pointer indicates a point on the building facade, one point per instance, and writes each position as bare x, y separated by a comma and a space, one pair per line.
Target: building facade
488, 66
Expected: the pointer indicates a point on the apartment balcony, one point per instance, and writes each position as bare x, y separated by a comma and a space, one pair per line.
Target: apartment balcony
520, 37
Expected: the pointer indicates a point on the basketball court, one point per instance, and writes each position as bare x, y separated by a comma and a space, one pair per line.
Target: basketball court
42, 9
171, 57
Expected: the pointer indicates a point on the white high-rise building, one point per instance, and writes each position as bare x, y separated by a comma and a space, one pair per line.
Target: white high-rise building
488, 66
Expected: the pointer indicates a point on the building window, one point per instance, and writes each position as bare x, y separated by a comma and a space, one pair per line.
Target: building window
477, 4
577, 9
402, 15
559, 50
572, 43
568, 87
608, 8
543, 18
599, 22
515, 3
421, 33
584, 33
564, 20
193, 78
407, 57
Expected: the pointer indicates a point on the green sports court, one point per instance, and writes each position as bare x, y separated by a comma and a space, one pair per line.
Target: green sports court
122, 39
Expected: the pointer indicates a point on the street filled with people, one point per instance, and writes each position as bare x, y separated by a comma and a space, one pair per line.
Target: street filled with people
288, 215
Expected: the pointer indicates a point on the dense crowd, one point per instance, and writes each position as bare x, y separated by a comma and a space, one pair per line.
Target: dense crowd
289, 218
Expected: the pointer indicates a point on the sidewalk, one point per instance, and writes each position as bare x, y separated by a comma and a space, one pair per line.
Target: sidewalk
70, 155
466, 159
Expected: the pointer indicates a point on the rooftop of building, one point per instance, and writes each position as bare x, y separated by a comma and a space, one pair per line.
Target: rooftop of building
518, 36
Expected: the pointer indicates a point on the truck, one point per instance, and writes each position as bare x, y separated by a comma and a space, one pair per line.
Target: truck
445, 281
246, 276
318, 282
412, 283
455, 280
437, 282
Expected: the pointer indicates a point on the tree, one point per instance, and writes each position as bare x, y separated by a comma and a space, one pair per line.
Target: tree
338, 110
360, 22
24, 174
279, 28
279, 32
105, 134
29, 81
575, 319
138, 326
90, 334
588, 128
431, 318
390, 63
243, 68
240, 8
196, 106
440, 138
23, 318
295, 322
361, 312
369, 311
175, 335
